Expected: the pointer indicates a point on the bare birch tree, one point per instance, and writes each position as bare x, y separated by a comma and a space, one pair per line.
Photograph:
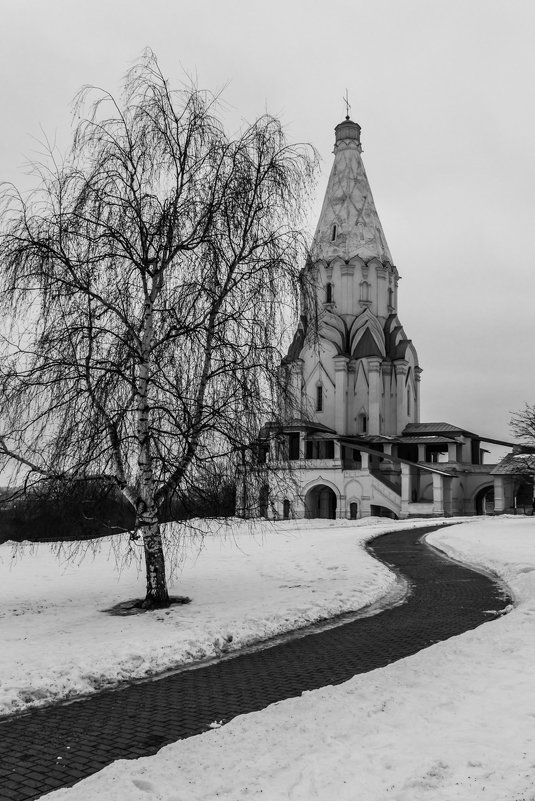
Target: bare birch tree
523, 424
148, 280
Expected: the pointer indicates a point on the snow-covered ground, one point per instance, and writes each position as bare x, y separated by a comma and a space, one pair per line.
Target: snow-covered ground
456, 721
246, 584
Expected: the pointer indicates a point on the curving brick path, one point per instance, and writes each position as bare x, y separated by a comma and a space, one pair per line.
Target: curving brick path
57, 746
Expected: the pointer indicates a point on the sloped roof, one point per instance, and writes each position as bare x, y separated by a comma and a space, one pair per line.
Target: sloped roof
349, 205
426, 429
431, 439
515, 464
297, 424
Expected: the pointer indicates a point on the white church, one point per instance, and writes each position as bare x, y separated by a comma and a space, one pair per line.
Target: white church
353, 444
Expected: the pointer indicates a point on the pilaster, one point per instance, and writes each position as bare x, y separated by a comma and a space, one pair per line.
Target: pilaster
374, 381
340, 412
388, 410
417, 378
347, 274
401, 415
382, 291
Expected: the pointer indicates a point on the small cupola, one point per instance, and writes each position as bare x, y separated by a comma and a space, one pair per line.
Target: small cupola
347, 130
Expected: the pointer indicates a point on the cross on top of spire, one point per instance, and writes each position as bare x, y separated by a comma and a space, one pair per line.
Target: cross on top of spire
348, 105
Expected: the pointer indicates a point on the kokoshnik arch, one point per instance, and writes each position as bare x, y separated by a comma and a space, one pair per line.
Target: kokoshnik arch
353, 439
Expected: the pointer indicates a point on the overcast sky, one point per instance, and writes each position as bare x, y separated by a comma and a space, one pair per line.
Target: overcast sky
444, 92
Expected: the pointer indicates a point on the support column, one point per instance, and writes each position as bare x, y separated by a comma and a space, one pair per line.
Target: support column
452, 452
499, 495
401, 413
340, 412
438, 494
374, 381
405, 489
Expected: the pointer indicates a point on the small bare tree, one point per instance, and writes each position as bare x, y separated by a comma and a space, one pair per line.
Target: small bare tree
149, 281
523, 424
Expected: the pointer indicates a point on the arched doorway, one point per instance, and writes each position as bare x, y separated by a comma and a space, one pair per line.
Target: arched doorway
484, 501
353, 510
320, 501
286, 508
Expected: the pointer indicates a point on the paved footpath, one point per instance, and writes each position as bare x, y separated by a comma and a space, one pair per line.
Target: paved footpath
59, 745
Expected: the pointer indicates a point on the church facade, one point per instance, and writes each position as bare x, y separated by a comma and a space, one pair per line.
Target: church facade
352, 440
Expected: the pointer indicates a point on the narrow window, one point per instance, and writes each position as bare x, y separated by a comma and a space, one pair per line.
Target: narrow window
408, 400
263, 500
333, 233
329, 293
293, 446
319, 398
391, 298
364, 291
286, 509
363, 423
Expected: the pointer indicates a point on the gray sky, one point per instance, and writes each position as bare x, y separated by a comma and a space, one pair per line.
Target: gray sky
444, 92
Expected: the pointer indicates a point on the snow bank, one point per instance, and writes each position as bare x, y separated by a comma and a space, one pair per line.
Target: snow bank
455, 722
247, 584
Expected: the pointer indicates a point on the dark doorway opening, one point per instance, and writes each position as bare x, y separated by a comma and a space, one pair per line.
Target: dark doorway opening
321, 502
484, 501
286, 509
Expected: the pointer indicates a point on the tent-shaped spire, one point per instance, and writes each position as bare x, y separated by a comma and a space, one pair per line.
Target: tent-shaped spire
349, 224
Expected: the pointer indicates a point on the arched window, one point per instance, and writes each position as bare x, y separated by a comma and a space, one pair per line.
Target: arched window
408, 400
333, 233
364, 291
319, 398
363, 423
329, 293
390, 298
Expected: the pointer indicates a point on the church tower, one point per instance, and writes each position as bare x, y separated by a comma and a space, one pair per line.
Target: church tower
352, 445
359, 376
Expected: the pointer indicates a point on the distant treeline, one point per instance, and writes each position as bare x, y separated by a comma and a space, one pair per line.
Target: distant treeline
95, 508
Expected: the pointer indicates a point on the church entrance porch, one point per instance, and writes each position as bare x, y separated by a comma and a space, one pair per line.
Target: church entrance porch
484, 501
320, 501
